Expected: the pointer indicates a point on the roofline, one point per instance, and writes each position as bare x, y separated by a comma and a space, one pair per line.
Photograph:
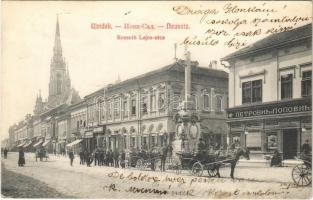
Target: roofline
226, 58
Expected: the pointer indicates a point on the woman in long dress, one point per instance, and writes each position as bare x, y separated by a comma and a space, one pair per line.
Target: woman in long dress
21, 158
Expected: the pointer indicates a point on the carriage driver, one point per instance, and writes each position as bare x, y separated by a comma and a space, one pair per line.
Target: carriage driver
201, 149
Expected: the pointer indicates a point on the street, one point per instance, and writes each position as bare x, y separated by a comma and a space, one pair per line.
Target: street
81, 181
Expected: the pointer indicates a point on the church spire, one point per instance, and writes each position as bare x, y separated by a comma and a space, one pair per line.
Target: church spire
57, 50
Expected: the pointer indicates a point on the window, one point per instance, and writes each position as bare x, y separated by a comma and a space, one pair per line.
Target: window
194, 100
272, 141
218, 103
252, 91
125, 110
153, 140
144, 105
102, 113
133, 107
286, 86
253, 141
206, 102
176, 100
133, 142
152, 101
109, 110
306, 88
116, 108
161, 101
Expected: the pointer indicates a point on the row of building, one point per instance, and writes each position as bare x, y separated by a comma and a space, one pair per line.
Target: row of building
127, 114
263, 103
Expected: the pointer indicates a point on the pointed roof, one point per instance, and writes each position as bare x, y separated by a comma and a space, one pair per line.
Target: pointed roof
57, 41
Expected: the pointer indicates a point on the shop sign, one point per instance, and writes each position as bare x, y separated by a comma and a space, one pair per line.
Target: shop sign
270, 109
98, 130
89, 134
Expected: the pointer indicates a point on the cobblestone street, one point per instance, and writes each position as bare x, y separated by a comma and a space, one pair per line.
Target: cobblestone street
107, 182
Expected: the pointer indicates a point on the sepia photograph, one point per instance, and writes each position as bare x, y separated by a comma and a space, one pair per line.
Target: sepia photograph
156, 100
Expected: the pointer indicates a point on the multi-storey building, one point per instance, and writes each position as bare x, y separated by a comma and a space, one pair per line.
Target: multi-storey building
139, 112
270, 93
95, 116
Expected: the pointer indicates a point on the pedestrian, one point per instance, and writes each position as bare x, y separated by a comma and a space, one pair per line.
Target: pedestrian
101, 157
111, 160
89, 159
71, 156
115, 157
5, 153
21, 157
81, 157
86, 157
96, 156
163, 153
123, 159
276, 159
306, 152
170, 151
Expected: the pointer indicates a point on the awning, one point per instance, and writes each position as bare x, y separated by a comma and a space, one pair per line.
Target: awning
45, 143
74, 143
38, 143
20, 145
27, 144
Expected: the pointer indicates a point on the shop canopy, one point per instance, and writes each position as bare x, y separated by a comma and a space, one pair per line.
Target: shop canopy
20, 145
74, 143
38, 143
45, 143
27, 144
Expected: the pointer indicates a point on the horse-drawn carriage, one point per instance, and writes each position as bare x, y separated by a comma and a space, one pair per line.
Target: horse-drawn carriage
198, 162
145, 159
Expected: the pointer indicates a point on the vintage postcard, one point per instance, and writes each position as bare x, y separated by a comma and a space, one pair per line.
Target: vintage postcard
156, 100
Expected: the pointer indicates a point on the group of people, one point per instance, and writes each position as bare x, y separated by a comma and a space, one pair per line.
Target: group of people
101, 157
41, 153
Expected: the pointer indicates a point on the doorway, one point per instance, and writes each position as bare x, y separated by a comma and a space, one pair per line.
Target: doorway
290, 143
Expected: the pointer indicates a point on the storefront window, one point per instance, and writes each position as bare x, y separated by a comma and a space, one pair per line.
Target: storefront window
286, 86
253, 140
236, 140
272, 141
306, 87
133, 142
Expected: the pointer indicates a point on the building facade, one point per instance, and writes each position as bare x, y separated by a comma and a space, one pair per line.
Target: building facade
270, 93
139, 112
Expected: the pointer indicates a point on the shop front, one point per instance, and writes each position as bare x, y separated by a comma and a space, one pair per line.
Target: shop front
264, 128
89, 141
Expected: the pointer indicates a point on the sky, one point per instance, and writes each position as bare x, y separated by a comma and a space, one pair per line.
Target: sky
96, 57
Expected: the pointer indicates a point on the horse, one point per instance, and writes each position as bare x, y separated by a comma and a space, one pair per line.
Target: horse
232, 160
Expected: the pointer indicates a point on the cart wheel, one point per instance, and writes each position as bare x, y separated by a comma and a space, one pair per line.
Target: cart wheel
302, 175
178, 169
140, 164
197, 169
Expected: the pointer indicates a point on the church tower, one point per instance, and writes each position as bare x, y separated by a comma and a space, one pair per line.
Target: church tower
39, 106
60, 83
